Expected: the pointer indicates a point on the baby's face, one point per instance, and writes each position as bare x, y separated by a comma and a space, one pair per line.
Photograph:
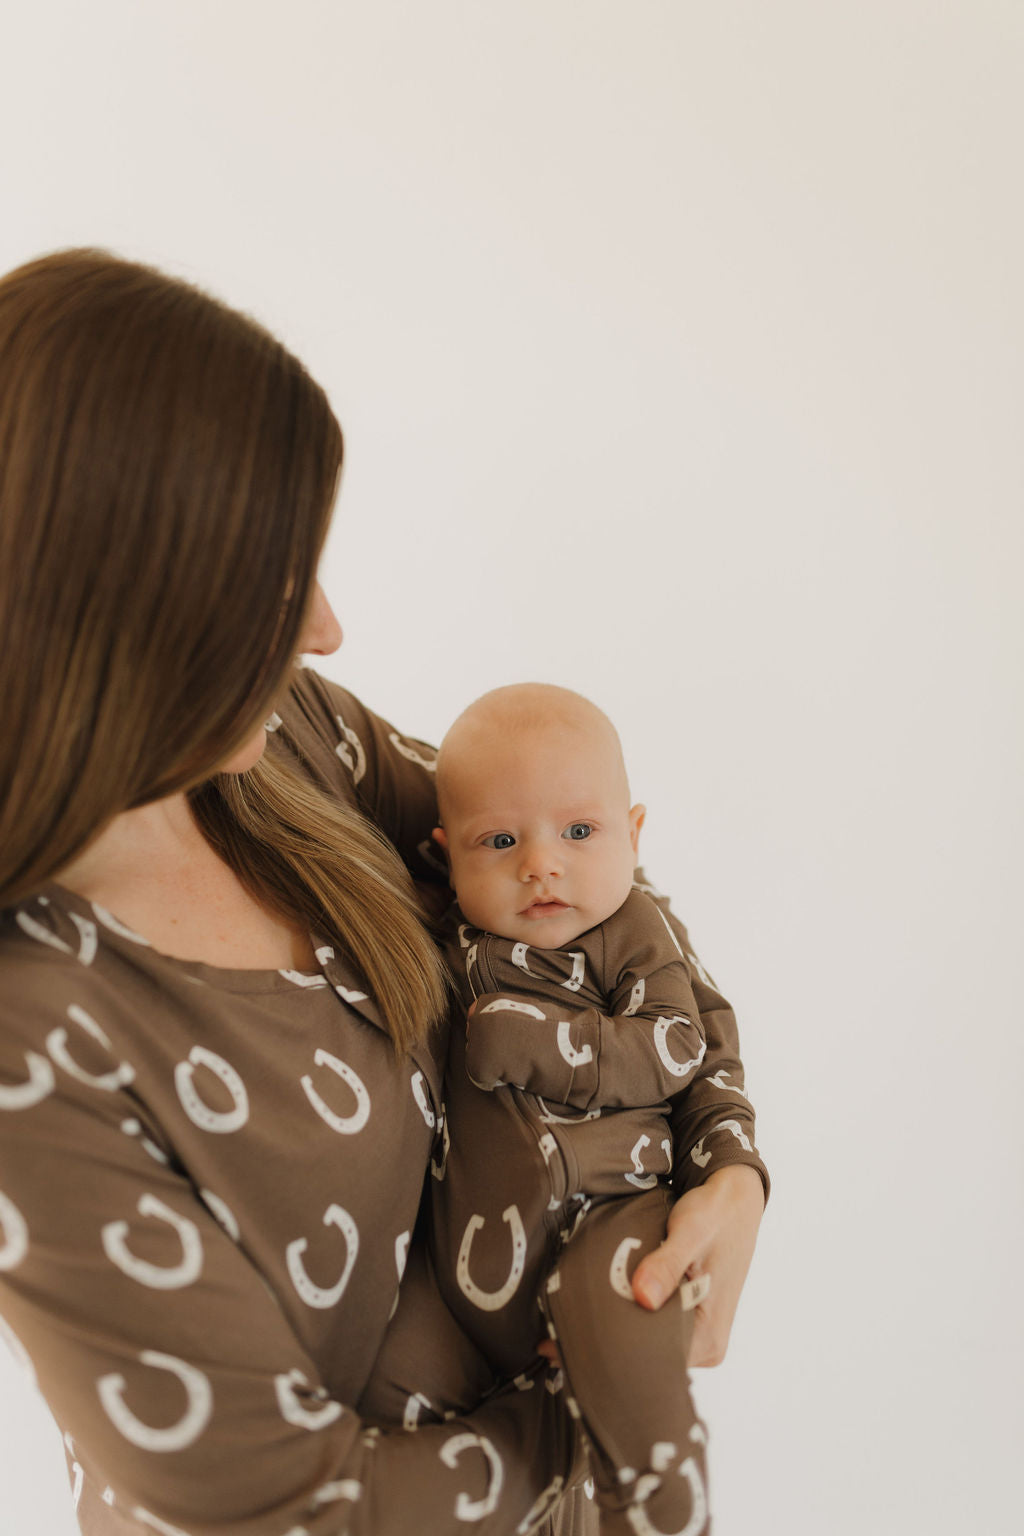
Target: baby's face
541, 840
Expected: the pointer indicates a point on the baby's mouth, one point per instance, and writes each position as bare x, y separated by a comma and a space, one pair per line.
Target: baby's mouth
545, 906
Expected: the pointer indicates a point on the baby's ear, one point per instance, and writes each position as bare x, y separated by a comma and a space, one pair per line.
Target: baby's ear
440, 837
636, 820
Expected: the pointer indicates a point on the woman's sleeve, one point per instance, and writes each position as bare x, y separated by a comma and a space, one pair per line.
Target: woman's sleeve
188, 1399
360, 756
713, 1121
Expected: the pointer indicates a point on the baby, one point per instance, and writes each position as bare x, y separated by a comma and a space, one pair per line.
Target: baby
554, 1175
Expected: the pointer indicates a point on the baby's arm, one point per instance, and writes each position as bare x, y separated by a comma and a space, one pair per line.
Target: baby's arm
532, 1027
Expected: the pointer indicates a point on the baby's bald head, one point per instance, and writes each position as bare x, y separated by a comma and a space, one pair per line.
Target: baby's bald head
519, 713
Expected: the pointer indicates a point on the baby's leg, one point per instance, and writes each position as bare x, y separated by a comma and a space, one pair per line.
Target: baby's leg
626, 1371
427, 1367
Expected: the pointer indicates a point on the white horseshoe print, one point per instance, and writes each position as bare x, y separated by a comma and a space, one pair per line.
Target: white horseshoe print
419, 1093
639, 1178
14, 1231
566, 1049
471, 957
345, 1125
465, 1507
716, 1082
642, 1523
550, 1118
312, 1295
57, 1045
78, 1477
352, 995
618, 1274
133, 1127
438, 1168
519, 954
411, 1414
463, 930
116, 926
636, 998
492, 1301
545, 1503
222, 1213
356, 765
702, 1158
217, 1122
37, 1085
294, 1411
513, 1005
304, 979
410, 753
175, 1438
87, 942
677, 1068
579, 966
344, 1488
157, 1277
401, 1259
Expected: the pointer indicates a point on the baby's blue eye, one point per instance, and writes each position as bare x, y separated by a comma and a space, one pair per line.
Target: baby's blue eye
499, 840
578, 831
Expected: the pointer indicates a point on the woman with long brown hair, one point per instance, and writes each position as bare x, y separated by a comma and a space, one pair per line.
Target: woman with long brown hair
221, 1014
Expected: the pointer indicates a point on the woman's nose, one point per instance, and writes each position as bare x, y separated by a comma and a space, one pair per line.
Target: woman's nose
539, 860
321, 634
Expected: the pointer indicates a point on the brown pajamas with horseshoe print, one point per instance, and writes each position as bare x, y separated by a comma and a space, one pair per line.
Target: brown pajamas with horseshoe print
556, 1179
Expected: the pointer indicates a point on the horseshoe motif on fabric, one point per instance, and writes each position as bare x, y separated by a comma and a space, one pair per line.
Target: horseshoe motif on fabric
57, 1045
438, 1168
702, 1158
294, 1411
401, 1259
188, 1428
303, 979
419, 1093
643, 1525
636, 998
550, 1118
156, 1276
87, 942
579, 966
133, 1127
345, 1125
356, 764
116, 926
547, 1501
217, 1122
519, 954
312, 1295
14, 1231
566, 1049
410, 753
639, 1178
677, 1068
513, 1005
221, 1212
465, 1507
37, 1085
492, 1301
618, 1274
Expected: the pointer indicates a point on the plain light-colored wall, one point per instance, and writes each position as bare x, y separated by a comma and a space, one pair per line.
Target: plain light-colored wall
679, 353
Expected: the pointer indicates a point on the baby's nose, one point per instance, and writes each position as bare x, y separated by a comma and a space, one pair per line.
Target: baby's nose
540, 860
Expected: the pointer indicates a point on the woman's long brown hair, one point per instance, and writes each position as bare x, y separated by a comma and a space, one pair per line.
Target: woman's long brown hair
167, 473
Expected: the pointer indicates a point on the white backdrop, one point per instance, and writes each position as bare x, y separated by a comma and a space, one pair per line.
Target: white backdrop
679, 349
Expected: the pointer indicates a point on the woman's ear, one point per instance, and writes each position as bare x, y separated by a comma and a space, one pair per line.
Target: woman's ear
636, 821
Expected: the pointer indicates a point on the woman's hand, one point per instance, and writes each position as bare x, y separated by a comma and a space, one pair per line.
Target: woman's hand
711, 1232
